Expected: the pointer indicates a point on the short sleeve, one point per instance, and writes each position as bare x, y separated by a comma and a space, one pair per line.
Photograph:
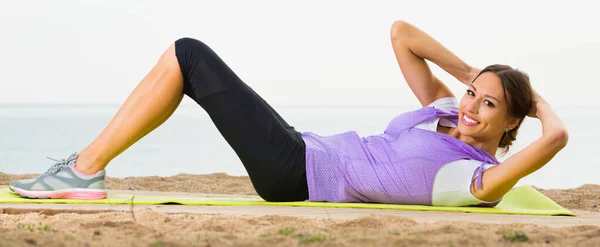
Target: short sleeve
452, 184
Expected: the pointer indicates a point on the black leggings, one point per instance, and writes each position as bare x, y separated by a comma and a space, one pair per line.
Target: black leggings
271, 150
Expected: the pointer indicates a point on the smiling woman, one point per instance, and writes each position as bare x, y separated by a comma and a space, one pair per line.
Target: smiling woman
504, 112
491, 111
442, 154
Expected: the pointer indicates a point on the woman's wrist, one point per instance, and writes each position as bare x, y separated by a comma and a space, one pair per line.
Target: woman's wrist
538, 109
470, 75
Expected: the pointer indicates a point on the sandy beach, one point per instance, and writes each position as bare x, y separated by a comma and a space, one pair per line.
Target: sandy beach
147, 226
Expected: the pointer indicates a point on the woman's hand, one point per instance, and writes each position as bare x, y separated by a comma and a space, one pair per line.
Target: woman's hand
537, 101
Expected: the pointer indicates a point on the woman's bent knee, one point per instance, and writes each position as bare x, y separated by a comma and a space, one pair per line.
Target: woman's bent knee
169, 57
189, 44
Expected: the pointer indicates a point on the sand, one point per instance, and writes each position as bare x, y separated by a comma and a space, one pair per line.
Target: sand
148, 227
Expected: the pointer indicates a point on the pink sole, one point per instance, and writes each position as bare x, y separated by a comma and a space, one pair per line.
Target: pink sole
82, 195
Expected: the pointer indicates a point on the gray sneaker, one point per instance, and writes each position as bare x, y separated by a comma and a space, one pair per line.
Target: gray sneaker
62, 180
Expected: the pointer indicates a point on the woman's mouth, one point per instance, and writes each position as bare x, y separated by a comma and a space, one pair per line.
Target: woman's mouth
468, 121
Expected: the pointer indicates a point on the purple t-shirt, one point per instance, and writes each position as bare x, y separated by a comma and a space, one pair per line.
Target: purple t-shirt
397, 166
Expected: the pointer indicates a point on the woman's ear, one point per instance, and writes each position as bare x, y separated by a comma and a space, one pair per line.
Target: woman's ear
513, 122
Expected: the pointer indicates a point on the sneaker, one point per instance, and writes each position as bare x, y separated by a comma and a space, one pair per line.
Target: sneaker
63, 181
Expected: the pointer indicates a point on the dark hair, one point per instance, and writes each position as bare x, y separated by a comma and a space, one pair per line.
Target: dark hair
518, 95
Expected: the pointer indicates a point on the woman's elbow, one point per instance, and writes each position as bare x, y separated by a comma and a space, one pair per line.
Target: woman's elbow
559, 138
399, 29
564, 137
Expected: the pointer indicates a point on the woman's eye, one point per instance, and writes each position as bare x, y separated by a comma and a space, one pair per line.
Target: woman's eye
489, 103
470, 93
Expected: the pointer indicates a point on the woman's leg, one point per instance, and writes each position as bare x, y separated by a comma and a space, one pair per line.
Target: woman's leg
147, 107
271, 150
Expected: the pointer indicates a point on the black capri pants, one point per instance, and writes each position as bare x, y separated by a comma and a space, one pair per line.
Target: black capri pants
271, 150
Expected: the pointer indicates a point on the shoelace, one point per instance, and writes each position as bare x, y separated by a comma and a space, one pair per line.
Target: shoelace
58, 166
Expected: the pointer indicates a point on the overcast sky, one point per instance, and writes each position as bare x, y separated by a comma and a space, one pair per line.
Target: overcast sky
291, 52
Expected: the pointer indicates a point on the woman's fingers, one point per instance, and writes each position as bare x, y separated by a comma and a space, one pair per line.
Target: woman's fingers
537, 99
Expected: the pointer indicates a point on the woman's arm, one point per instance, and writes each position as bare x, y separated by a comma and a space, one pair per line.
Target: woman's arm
411, 47
498, 180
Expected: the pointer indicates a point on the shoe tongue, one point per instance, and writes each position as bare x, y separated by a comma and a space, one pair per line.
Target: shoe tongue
72, 159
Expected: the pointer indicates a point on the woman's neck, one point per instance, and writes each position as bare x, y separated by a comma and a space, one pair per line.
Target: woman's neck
488, 145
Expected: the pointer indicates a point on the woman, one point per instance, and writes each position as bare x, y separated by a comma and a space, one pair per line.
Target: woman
441, 154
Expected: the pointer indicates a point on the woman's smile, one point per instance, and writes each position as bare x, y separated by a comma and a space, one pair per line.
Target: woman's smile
466, 120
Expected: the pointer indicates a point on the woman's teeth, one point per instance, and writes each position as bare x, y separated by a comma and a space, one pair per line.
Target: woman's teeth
469, 120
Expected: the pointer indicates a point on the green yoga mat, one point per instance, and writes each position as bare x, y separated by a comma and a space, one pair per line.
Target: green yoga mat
521, 200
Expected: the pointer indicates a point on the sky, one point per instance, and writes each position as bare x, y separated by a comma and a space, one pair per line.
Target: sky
311, 52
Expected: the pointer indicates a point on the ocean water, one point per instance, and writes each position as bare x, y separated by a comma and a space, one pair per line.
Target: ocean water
189, 142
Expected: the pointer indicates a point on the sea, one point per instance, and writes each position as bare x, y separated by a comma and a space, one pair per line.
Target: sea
188, 142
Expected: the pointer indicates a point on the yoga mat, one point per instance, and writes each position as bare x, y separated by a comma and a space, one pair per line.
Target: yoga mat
520, 200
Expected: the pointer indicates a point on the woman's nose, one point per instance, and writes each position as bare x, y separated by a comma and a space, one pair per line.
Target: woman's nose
472, 107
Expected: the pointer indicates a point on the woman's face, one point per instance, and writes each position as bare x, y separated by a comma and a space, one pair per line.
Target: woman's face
483, 111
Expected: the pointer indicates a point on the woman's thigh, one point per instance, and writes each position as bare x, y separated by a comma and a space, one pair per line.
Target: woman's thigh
271, 150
